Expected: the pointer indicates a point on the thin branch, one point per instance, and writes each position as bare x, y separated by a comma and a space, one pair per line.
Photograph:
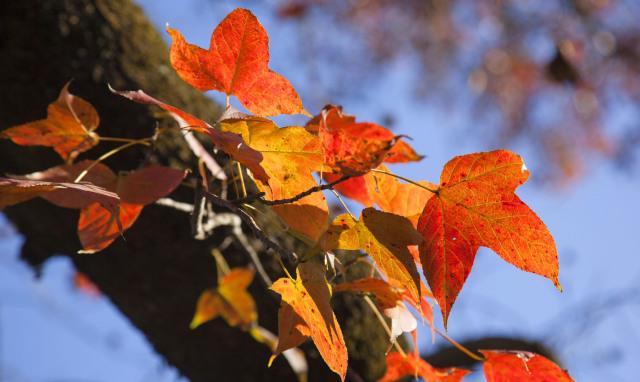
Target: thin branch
248, 219
376, 311
322, 187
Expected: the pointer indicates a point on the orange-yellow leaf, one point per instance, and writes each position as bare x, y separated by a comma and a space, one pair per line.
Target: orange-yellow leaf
229, 142
401, 152
290, 157
230, 300
399, 367
68, 128
309, 295
476, 206
385, 238
507, 366
236, 63
292, 330
97, 227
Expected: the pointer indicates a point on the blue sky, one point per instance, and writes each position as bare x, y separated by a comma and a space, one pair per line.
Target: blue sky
50, 332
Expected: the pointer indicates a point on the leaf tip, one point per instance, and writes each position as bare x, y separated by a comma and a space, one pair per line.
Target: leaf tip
271, 359
195, 322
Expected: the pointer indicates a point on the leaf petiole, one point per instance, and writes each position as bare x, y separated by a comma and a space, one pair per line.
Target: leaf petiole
405, 179
144, 142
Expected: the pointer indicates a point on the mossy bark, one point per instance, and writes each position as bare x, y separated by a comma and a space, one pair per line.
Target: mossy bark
154, 276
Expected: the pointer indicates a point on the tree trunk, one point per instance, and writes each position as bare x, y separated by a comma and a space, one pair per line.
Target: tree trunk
154, 276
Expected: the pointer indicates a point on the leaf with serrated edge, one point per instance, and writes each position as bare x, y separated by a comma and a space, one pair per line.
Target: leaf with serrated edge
309, 295
236, 63
68, 128
476, 206
230, 300
399, 366
507, 366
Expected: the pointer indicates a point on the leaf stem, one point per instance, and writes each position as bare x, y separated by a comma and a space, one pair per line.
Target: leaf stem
244, 187
459, 346
108, 154
405, 179
117, 139
376, 311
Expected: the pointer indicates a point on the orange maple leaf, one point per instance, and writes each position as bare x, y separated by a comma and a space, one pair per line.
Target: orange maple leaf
475, 205
230, 300
351, 147
68, 128
236, 63
309, 296
506, 366
399, 366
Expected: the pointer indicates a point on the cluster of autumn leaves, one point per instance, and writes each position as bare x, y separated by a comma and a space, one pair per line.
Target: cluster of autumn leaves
440, 226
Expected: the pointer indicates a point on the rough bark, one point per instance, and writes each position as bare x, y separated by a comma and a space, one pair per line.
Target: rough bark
156, 275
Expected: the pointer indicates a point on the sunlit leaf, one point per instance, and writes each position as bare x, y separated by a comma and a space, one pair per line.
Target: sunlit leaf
68, 128
399, 367
230, 300
290, 157
236, 63
507, 366
475, 206
309, 296
97, 227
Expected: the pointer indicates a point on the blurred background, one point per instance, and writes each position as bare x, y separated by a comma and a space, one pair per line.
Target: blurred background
556, 81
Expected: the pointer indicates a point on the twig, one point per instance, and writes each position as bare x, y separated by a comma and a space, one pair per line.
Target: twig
248, 219
376, 311
322, 187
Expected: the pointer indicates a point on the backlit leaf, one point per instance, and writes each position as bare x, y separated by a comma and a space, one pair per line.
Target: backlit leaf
476, 206
399, 367
401, 152
230, 300
309, 296
68, 128
506, 366
236, 63
290, 157
97, 227
351, 147
385, 238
